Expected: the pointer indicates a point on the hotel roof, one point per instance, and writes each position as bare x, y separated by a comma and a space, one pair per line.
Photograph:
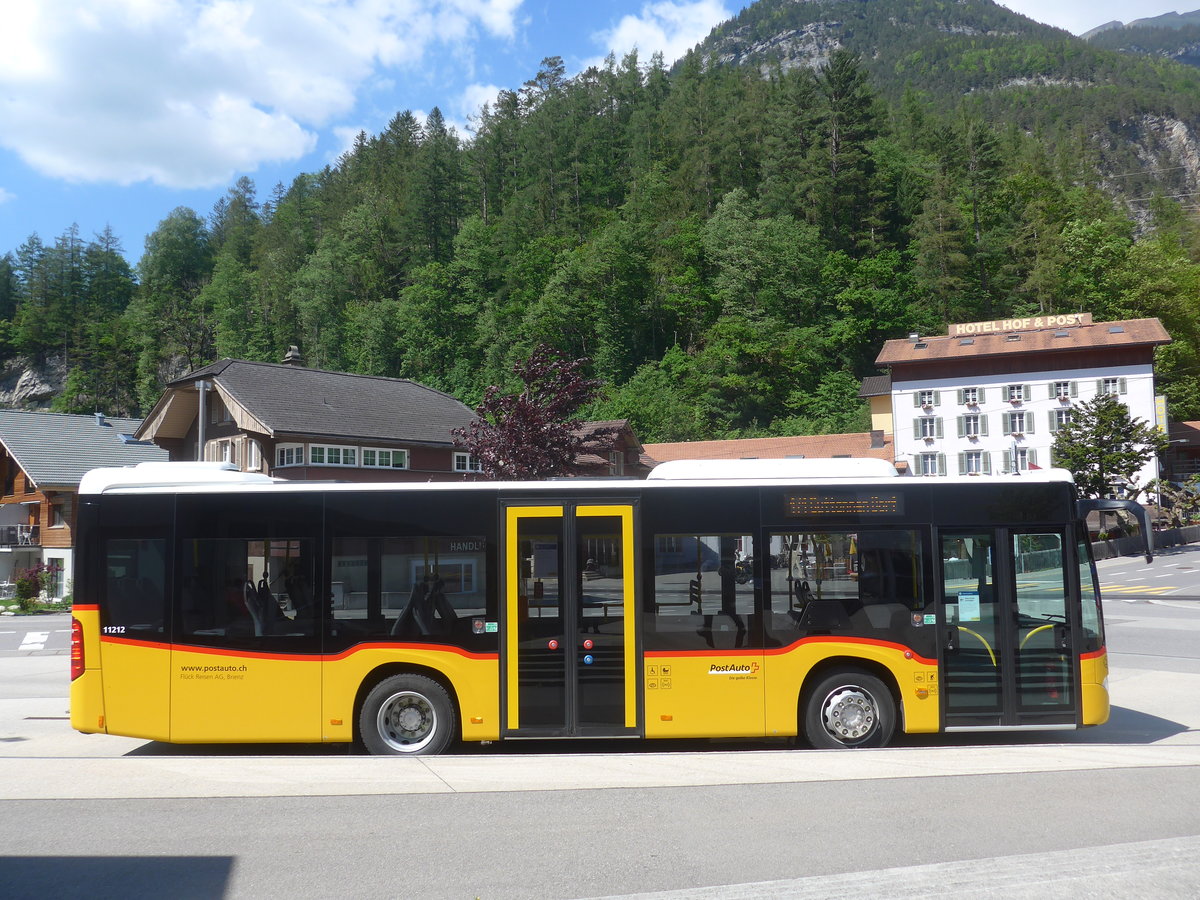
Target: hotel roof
1128, 333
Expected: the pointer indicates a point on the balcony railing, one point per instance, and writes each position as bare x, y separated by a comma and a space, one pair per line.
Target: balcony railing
18, 535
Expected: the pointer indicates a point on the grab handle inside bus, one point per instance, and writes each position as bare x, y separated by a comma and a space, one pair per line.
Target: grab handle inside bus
1097, 504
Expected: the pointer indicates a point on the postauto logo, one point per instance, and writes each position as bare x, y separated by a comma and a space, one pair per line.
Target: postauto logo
733, 669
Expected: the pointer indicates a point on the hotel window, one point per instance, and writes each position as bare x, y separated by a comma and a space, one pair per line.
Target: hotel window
1018, 423
377, 458
931, 464
927, 427
972, 425
465, 462
975, 462
1064, 390
289, 455
1020, 460
970, 396
1059, 418
1112, 386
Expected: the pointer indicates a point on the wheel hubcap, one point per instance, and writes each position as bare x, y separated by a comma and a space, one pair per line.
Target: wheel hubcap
407, 722
849, 714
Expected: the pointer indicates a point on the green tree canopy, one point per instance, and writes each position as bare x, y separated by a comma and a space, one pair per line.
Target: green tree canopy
1105, 447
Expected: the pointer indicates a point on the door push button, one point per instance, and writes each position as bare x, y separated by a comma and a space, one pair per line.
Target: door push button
553, 645
588, 644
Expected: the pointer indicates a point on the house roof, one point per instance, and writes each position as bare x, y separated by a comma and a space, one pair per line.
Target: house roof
876, 386
55, 450
293, 401
808, 446
1128, 333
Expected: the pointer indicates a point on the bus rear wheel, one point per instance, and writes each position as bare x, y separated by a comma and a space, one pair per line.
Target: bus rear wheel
849, 708
407, 715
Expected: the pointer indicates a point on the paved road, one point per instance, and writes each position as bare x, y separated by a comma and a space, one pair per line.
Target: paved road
1111, 811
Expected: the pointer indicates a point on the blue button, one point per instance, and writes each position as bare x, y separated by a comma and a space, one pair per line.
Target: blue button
587, 660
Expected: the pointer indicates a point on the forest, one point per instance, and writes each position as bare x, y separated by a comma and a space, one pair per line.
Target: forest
728, 245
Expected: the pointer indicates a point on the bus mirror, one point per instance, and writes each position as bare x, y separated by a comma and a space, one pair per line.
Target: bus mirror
1135, 509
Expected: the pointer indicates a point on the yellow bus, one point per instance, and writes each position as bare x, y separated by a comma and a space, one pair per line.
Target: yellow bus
831, 600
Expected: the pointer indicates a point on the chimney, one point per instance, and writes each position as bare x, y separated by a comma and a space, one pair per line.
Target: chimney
292, 357
100, 423
877, 442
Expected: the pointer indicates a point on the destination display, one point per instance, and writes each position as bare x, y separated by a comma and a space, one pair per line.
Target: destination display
829, 504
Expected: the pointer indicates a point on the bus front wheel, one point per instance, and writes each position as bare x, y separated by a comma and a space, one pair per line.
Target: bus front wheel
407, 715
849, 708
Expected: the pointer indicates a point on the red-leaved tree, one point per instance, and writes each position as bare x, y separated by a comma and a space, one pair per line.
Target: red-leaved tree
533, 434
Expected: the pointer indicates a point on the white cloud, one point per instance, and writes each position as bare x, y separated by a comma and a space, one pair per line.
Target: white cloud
185, 93
669, 27
466, 108
6, 196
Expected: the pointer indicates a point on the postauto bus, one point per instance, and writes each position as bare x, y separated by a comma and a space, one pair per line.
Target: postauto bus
827, 599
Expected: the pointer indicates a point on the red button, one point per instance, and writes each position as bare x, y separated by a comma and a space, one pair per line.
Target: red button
553, 645
588, 645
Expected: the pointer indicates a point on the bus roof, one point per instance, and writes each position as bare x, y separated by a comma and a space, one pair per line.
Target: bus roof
206, 477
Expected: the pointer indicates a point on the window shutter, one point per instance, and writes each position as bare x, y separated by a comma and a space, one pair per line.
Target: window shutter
1121, 385
987, 463
938, 426
916, 398
1031, 457
916, 464
961, 397
980, 395
941, 463
962, 464
1006, 423
962, 426
1028, 426
1099, 386
1007, 461
983, 425
1053, 421
916, 428
1026, 392
1050, 387
937, 397
1074, 388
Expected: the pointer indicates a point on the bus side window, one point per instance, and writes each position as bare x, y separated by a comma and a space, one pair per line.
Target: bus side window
408, 588
825, 582
240, 590
703, 594
135, 586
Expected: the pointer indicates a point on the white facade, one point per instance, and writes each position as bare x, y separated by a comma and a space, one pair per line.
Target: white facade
1005, 423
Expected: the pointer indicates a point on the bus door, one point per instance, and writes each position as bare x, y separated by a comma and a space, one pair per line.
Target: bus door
1008, 633
569, 646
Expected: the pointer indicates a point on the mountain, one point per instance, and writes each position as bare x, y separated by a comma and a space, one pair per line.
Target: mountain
1140, 112
1173, 36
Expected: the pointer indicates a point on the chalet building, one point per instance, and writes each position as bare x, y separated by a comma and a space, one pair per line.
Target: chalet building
307, 424
304, 424
611, 449
43, 456
988, 397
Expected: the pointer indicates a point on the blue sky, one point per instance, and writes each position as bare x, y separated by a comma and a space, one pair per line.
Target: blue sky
117, 111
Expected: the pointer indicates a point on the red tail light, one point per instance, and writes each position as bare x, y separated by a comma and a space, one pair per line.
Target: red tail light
76, 649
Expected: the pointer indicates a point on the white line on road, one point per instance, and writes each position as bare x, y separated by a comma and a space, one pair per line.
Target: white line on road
34, 640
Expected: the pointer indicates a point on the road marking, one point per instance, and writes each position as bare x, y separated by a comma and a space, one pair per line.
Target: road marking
34, 640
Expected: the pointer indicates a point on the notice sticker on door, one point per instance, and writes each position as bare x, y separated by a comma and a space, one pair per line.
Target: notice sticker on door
968, 606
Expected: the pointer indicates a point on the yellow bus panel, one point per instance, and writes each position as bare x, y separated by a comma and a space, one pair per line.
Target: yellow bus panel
703, 694
137, 688
87, 691
1093, 679
229, 696
473, 679
915, 678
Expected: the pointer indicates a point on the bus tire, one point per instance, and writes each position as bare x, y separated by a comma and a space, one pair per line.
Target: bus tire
407, 715
849, 708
